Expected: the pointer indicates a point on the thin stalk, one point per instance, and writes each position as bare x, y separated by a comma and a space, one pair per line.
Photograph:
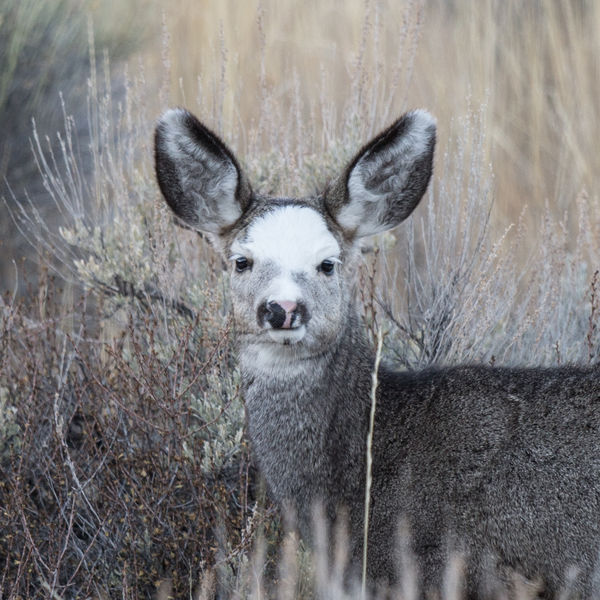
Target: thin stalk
375, 382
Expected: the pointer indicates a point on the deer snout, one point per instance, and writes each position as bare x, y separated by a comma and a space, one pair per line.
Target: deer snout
283, 314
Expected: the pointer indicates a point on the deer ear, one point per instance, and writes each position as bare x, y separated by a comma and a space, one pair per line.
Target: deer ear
197, 174
387, 178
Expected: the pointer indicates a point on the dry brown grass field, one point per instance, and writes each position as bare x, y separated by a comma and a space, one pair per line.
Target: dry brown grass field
533, 67
124, 466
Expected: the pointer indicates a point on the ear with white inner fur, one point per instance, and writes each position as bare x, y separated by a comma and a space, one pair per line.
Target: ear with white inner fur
387, 178
197, 174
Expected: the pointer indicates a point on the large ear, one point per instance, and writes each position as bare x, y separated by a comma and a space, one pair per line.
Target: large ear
386, 179
197, 174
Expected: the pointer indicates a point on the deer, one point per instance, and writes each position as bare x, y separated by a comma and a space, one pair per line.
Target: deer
501, 464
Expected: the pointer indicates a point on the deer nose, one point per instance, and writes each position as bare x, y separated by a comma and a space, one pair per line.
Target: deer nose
281, 315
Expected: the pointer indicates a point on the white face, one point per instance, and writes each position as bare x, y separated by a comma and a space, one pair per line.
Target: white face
294, 237
288, 257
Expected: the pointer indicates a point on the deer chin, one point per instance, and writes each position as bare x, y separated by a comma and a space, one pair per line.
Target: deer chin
287, 337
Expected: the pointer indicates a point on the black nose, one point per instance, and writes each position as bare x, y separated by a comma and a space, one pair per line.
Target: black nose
284, 314
276, 315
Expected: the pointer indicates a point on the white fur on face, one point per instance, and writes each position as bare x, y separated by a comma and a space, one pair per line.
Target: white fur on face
286, 247
295, 238
268, 360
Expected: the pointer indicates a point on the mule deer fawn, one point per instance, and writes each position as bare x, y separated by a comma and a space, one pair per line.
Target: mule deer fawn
503, 464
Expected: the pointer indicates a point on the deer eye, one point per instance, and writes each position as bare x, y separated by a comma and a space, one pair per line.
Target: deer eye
241, 264
326, 267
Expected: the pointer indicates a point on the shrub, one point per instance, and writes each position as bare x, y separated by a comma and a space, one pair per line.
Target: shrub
44, 66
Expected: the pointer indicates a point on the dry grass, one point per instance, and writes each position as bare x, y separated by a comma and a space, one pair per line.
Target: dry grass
44, 61
534, 66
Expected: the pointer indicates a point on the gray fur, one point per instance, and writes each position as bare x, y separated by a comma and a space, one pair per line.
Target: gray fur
192, 163
387, 178
502, 465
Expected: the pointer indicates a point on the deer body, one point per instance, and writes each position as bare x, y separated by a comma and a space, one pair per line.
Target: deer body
502, 465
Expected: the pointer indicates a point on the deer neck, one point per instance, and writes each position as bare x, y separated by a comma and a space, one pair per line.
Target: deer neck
296, 410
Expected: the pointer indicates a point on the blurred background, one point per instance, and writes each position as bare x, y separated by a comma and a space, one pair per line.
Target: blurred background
531, 70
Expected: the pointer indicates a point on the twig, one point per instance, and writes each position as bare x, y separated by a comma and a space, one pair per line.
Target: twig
375, 382
592, 320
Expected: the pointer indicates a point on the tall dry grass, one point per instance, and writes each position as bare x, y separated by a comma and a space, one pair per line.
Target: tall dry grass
533, 65
44, 65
